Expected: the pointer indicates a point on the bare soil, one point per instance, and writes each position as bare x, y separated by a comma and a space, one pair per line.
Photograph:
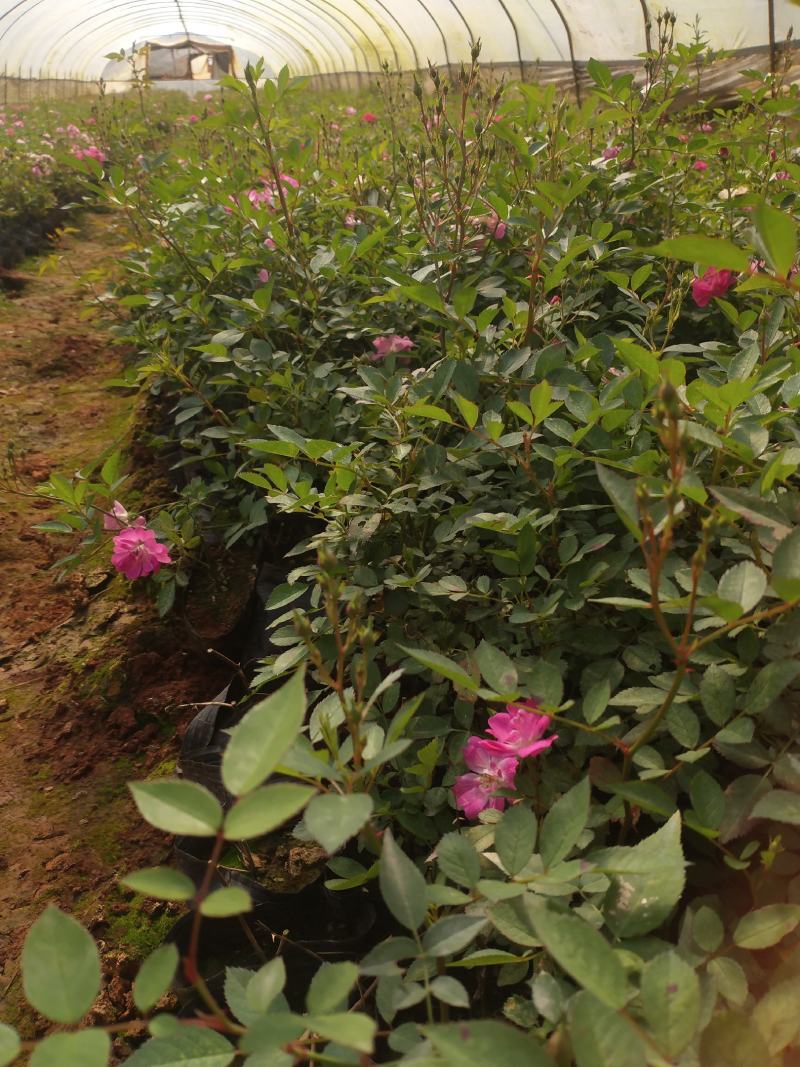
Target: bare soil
95, 690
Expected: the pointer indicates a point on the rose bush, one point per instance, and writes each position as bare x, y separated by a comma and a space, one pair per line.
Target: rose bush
552, 472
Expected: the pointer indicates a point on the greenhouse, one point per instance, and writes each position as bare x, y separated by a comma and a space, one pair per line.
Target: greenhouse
400, 513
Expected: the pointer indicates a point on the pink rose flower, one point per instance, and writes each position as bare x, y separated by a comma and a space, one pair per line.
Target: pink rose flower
117, 518
194, 118
270, 244
208, 96
519, 730
386, 346
137, 553
706, 127
369, 117
611, 152
263, 275
350, 110
713, 283
489, 771
700, 164
782, 175
683, 138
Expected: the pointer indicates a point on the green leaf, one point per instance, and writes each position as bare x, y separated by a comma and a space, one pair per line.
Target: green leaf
777, 233
582, 952
785, 578
730, 978
779, 805
766, 926
638, 358
670, 995
263, 736
707, 929
647, 881
222, 903
9, 1045
442, 665
402, 885
600, 1037
450, 991
706, 251
515, 838
155, 977
428, 411
731, 1040
708, 799
743, 584
717, 694
60, 967
88, 1048
332, 819
596, 700
346, 1028
469, 411
776, 1015
496, 668
265, 810
564, 824
753, 508
250, 995
192, 1047
458, 860
452, 934
330, 987
163, 883
272, 1031
476, 1043
622, 493
178, 807
769, 683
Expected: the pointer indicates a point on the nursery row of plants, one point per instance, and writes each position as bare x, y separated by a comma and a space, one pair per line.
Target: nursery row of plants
503, 388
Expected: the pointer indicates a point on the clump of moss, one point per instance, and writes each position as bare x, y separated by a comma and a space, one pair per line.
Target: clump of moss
138, 930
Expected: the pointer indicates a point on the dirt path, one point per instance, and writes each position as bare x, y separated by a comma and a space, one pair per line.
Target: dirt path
93, 687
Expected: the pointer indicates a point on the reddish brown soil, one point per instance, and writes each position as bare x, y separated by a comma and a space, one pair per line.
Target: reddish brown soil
95, 690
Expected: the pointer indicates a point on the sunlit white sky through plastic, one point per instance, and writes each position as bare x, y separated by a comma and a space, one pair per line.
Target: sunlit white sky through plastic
328, 36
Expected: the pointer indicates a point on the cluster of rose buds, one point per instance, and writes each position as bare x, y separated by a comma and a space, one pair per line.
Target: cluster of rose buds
517, 734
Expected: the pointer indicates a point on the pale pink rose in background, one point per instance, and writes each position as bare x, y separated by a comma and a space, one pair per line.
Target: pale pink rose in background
263, 275
269, 243
519, 730
683, 137
611, 152
781, 175
137, 553
555, 300
700, 164
369, 117
287, 179
488, 772
706, 127
386, 346
208, 96
350, 110
194, 118
713, 283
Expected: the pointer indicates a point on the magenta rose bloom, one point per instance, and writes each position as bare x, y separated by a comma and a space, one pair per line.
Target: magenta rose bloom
519, 731
489, 771
137, 553
713, 283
